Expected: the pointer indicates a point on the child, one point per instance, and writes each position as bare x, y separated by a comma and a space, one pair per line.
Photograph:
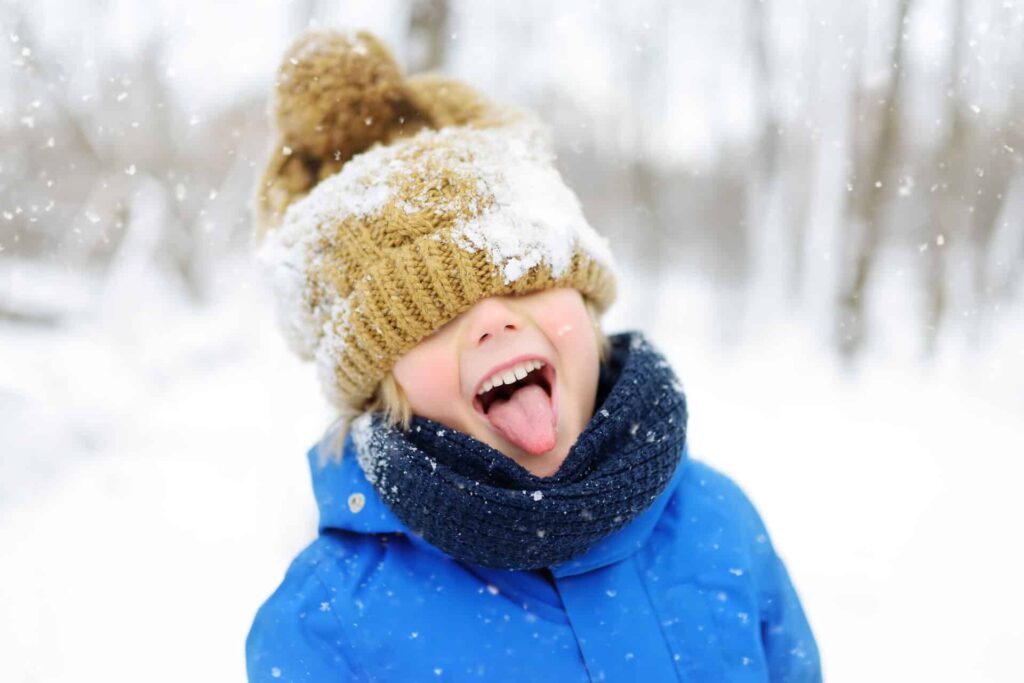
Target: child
514, 499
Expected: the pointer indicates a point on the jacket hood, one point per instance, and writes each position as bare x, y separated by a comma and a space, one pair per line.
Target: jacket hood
348, 502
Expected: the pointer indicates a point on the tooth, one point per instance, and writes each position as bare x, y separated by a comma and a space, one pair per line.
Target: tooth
511, 375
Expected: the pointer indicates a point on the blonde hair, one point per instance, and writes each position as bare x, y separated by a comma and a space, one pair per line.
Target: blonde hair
389, 398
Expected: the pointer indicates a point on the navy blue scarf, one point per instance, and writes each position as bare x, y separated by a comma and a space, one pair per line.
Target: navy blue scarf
479, 506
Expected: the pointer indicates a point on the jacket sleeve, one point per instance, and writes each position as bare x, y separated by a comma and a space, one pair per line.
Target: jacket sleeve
296, 635
789, 645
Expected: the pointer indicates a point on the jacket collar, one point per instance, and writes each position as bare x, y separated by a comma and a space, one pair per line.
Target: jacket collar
348, 502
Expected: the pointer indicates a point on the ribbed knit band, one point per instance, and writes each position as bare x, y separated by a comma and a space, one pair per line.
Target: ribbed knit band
411, 292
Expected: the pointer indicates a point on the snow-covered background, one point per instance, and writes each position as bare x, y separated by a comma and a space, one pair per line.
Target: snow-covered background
153, 426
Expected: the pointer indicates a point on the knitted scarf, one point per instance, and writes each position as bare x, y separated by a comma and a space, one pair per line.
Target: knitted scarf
481, 507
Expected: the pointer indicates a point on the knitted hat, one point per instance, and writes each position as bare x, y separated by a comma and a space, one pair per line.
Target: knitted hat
389, 205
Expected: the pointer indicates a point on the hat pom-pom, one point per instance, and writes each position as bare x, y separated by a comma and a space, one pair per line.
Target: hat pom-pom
337, 93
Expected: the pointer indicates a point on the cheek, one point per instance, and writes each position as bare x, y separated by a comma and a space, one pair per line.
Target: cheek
429, 380
578, 350
567, 324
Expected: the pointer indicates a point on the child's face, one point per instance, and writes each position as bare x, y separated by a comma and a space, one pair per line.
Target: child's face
534, 421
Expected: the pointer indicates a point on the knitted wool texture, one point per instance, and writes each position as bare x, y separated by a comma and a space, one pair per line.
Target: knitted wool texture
389, 205
479, 506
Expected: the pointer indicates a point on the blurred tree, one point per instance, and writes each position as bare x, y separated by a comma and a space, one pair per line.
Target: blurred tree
875, 136
428, 35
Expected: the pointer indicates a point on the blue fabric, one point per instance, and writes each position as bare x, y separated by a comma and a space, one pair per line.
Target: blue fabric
690, 590
482, 507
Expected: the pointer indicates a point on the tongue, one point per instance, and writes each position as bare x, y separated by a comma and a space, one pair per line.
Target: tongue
526, 419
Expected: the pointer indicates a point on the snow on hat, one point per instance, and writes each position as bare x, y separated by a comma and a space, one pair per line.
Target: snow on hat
389, 205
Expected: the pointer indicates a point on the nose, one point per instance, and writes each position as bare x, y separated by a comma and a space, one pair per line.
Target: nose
492, 318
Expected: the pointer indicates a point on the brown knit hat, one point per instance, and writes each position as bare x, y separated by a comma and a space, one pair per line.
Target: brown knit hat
389, 205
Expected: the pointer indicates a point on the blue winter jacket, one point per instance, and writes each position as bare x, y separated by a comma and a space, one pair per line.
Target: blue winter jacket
691, 590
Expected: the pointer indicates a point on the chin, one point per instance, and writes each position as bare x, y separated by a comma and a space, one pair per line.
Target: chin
544, 465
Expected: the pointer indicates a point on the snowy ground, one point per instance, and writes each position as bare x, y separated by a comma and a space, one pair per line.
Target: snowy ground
153, 485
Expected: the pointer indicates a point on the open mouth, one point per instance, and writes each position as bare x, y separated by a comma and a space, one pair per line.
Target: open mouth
491, 394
